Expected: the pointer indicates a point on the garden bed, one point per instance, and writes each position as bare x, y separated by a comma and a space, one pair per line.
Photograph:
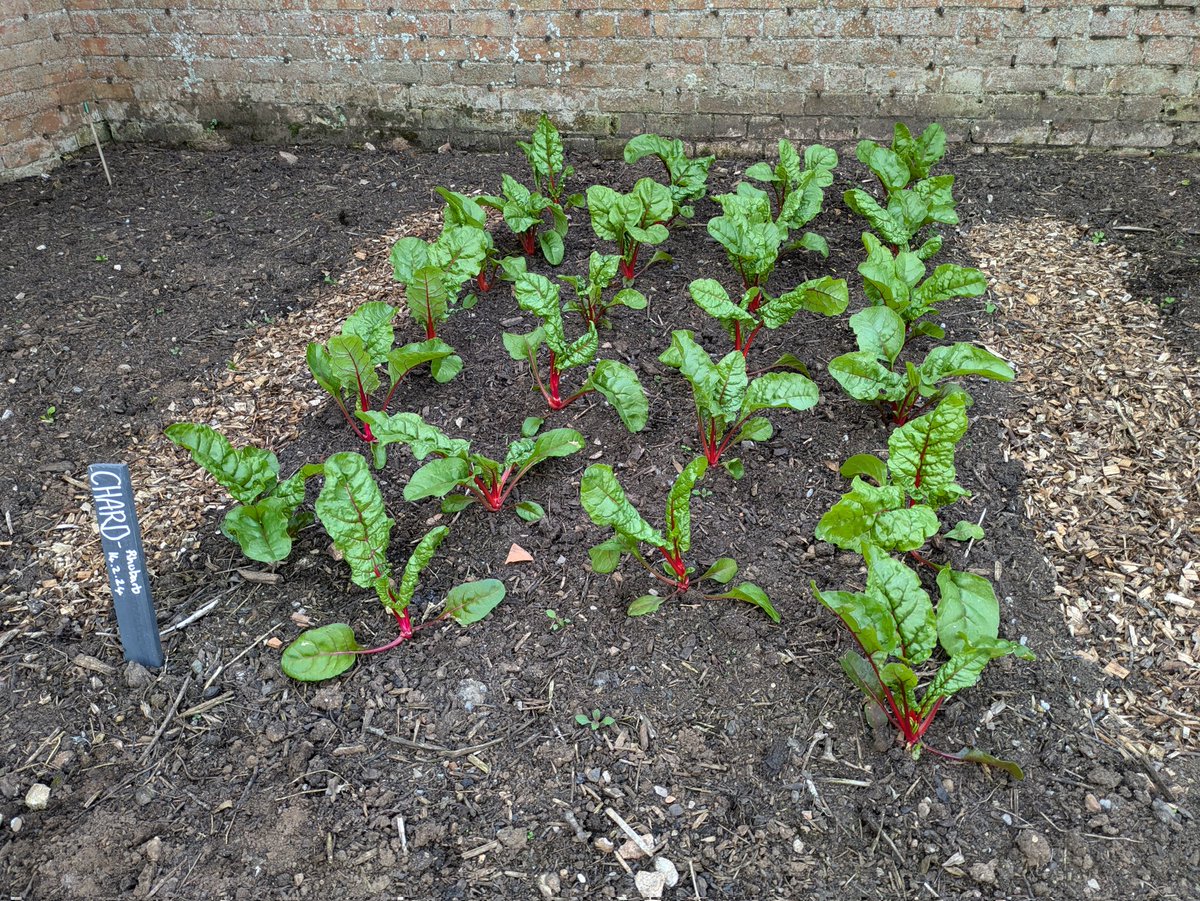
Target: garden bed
454, 767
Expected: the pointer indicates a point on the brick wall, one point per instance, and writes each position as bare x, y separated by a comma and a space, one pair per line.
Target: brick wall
731, 74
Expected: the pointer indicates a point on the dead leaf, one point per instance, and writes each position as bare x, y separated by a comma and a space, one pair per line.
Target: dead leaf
301, 619
518, 554
262, 578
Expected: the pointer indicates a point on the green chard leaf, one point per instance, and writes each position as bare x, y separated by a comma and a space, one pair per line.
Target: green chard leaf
678, 516
472, 601
965, 530
320, 654
899, 588
246, 474
967, 611
262, 530
350, 507
869, 516
751, 594
867, 616
921, 453
621, 387
417, 561
605, 503
437, 478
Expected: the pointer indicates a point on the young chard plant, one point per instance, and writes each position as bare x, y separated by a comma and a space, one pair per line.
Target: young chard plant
465, 212
634, 220
914, 198
590, 301
798, 185
268, 514
604, 500
456, 469
897, 630
347, 366
688, 176
757, 309
869, 374
351, 509
614, 380
433, 273
523, 213
727, 398
544, 150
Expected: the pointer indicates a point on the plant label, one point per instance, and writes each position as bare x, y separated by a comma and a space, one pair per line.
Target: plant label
121, 541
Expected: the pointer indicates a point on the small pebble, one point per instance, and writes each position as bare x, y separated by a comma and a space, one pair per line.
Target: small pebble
38, 796
15, 824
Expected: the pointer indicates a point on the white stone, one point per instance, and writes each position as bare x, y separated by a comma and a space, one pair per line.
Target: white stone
650, 883
37, 797
669, 873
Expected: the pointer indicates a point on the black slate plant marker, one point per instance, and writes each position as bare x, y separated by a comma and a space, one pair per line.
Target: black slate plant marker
121, 541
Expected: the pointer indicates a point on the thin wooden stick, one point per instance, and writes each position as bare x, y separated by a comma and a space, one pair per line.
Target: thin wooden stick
100, 150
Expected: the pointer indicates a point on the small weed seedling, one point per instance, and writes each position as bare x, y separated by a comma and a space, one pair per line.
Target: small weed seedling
727, 398
268, 514
351, 509
523, 211
544, 150
556, 621
481, 479
614, 380
869, 374
590, 302
597, 721
914, 199
688, 176
347, 366
634, 220
605, 503
48, 417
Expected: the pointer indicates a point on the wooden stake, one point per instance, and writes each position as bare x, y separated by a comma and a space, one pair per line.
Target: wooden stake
96, 138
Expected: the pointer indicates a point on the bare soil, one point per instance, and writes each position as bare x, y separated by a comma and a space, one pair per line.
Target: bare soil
453, 767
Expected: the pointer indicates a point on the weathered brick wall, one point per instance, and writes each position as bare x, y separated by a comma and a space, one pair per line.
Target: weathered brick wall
728, 73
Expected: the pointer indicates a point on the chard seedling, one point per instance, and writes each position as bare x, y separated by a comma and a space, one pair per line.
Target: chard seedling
869, 375
634, 220
757, 309
347, 366
614, 380
798, 184
268, 516
544, 150
351, 509
455, 468
687, 176
914, 199
462, 211
590, 301
433, 273
726, 398
605, 503
897, 630
523, 213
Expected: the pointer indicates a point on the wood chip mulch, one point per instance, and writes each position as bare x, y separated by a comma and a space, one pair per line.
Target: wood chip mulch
1109, 434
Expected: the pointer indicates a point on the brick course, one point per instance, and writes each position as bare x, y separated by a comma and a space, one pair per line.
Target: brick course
733, 75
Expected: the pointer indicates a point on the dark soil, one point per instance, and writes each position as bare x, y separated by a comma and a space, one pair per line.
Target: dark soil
453, 767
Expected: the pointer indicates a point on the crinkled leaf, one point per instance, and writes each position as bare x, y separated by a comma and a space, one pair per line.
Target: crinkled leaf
461, 210
921, 453
864, 378
937, 194
964, 669
422, 438
867, 617
712, 298
420, 557
967, 610
605, 503
372, 323
930, 248
678, 516
948, 282
879, 332
320, 654
246, 474
350, 508
780, 391
472, 601
826, 296
811, 241
403, 359
887, 226
579, 352
352, 364
962, 359
889, 168
965, 530
900, 591
621, 387
756, 429
751, 594
647, 603
408, 255
437, 478
651, 145
867, 515
722, 571
427, 297
729, 385
261, 530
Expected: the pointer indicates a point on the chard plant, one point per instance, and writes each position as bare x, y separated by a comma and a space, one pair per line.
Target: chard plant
798, 185
726, 398
914, 198
604, 500
267, 517
462, 211
351, 510
590, 300
544, 150
347, 366
687, 176
461, 478
524, 212
615, 381
634, 220
433, 273
757, 309
897, 630
869, 374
